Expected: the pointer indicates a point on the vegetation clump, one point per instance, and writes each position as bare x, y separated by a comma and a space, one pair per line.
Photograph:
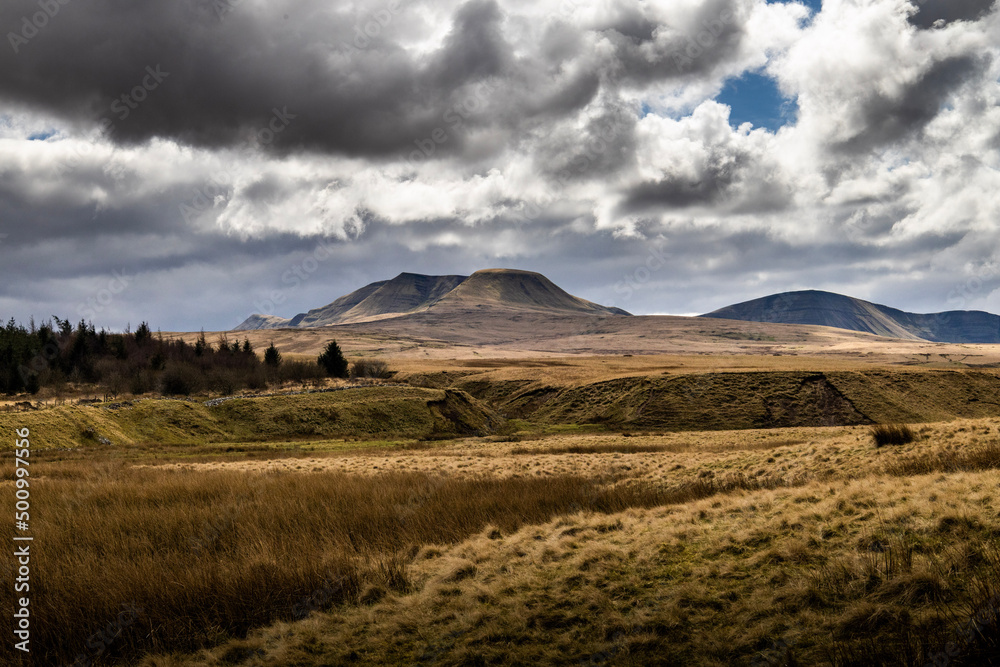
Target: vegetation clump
370, 368
892, 434
272, 357
56, 353
332, 360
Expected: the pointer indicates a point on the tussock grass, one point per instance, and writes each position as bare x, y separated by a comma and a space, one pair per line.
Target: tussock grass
892, 434
609, 448
965, 459
878, 572
371, 368
207, 556
804, 545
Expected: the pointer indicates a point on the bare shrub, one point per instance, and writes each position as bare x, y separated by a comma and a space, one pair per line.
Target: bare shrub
370, 368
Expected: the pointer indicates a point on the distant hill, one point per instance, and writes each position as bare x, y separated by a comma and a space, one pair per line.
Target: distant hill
844, 312
408, 293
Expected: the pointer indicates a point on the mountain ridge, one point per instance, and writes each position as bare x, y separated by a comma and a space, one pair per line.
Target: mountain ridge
816, 307
409, 293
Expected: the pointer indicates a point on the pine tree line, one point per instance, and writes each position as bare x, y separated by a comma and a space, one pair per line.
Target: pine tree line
55, 353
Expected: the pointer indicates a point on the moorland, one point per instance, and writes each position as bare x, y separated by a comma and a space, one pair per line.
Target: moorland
560, 488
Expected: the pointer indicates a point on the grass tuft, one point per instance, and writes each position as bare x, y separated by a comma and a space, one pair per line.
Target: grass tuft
892, 434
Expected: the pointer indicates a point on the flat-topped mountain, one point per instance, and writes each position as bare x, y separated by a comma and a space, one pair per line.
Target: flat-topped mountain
844, 312
509, 288
408, 293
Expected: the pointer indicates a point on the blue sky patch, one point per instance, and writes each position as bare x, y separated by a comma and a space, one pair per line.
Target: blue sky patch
755, 98
41, 136
815, 6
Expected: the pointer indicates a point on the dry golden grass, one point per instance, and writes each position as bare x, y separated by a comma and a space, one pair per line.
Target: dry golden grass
536, 546
427, 340
874, 571
208, 556
788, 456
359, 412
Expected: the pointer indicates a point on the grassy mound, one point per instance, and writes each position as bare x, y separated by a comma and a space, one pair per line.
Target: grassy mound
746, 400
371, 412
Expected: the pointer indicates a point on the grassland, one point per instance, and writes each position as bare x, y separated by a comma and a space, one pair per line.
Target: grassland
362, 412
484, 518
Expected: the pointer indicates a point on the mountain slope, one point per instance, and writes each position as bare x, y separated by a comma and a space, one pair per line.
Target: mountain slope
844, 312
408, 293
332, 311
256, 321
510, 288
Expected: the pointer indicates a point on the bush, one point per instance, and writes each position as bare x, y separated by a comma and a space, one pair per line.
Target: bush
140, 382
180, 380
223, 381
370, 368
892, 434
299, 371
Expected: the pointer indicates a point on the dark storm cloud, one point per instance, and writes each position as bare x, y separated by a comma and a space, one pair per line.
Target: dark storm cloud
886, 119
606, 145
679, 191
217, 82
475, 49
34, 214
949, 11
694, 46
306, 76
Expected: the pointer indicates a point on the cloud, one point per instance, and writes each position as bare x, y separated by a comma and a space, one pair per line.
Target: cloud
939, 13
441, 137
891, 117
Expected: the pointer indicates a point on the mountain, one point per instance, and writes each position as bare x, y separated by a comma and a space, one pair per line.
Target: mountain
844, 312
256, 321
519, 290
408, 293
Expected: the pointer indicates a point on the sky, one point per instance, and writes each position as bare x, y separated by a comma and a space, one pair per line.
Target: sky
190, 162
